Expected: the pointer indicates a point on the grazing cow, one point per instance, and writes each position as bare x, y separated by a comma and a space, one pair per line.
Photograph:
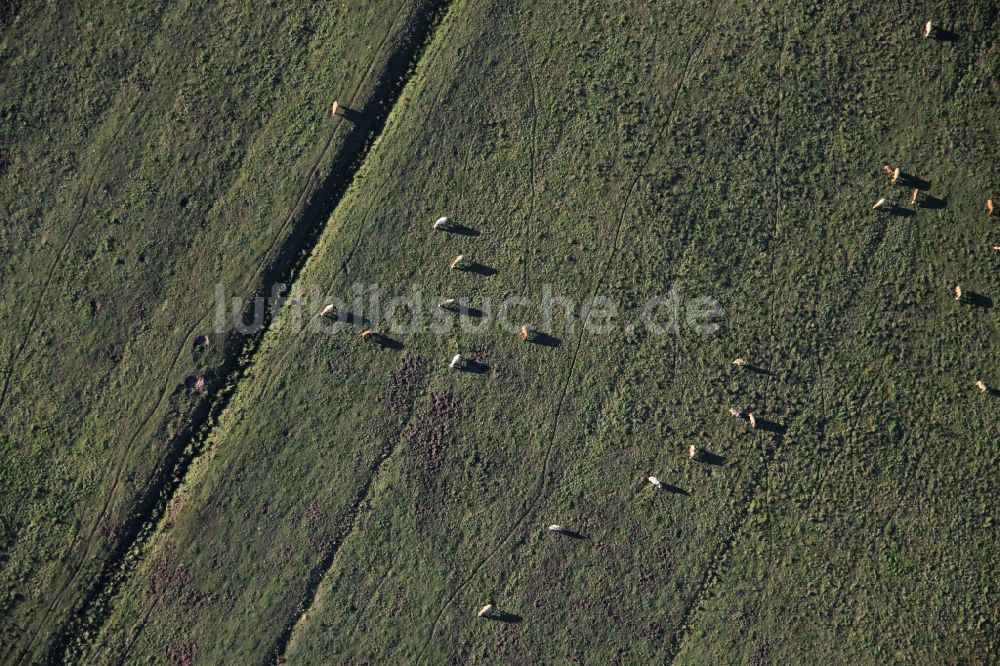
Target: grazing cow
989, 207
741, 362
981, 385
448, 304
655, 481
888, 169
914, 196
958, 292
485, 611
368, 335
752, 419
526, 334
460, 262
557, 528
882, 206
456, 361
441, 223
329, 311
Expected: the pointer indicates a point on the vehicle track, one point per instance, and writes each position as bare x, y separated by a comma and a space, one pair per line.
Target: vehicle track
427, 10
50, 275
154, 605
57, 261
364, 227
718, 559
531, 164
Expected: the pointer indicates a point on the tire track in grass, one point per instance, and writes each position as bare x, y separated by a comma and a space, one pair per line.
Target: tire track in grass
364, 227
307, 189
540, 484
712, 572
287, 638
309, 196
531, 158
822, 476
17, 350
260, 264
319, 572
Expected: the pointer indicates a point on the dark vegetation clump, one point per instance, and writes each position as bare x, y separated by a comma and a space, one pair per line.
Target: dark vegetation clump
403, 385
315, 514
429, 431
168, 573
183, 655
143, 81
761, 655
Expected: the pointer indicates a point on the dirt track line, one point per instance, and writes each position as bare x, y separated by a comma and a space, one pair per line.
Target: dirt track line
329, 560
362, 235
540, 482
16, 353
18, 350
308, 187
345, 264
531, 157
119, 472
712, 572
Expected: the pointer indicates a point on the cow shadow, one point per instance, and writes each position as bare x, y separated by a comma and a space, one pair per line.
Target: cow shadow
504, 617
469, 312
977, 300
474, 367
461, 230
910, 181
674, 490
481, 269
932, 203
545, 340
386, 342
942, 35
710, 458
352, 115
573, 534
771, 426
351, 319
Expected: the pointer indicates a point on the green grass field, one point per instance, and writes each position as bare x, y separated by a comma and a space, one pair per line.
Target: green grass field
331, 500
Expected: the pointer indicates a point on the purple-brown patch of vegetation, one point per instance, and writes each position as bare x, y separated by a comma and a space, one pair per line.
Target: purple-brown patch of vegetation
404, 384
